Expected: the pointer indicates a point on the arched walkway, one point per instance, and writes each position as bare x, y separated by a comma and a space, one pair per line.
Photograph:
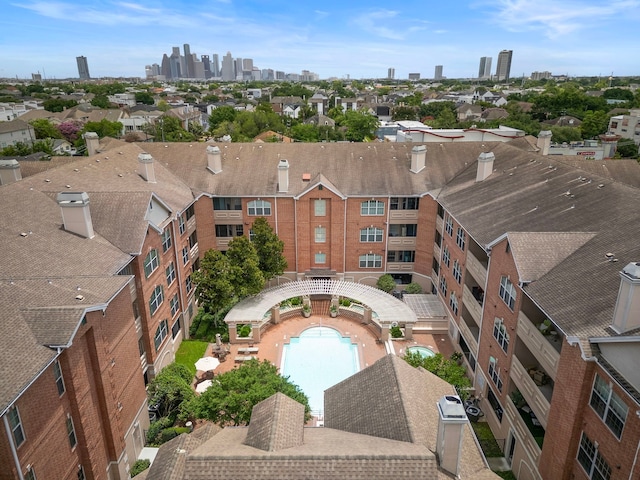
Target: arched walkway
380, 308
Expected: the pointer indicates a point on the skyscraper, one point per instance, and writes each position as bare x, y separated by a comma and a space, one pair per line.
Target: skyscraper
391, 73
215, 66
503, 68
188, 59
83, 68
485, 68
228, 70
438, 73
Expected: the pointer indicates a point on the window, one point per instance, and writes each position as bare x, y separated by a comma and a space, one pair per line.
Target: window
226, 203
30, 474
448, 226
443, 286
403, 203
57, 374
171, 273
259, 207
150, 262
591, 460
494, 373
457, 273
189, 212
372, 207
185, 255
156, 299
188, 283
408, 230
320, 208
141, 346
407, 256
193, 239
438, 239
446, 256
321, 258
495, 403
371, 234
609, 406
460, 238
320, 234
161, 334
508, 292
16, 426
175, 328
440, 211
175, 305
229, 230
182, 226
436, 266
370, 260
166, 240
81, 473
71, 432
500, 334
453, 303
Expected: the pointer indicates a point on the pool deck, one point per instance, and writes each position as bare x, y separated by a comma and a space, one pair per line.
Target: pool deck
369, 350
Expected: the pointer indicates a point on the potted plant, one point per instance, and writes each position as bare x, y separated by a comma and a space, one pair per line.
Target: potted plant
396, 331
333, 311
306, 310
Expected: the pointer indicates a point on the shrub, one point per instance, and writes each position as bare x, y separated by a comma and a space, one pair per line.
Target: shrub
386, 283
156, 427
345, 302
396, 332
413, 288
244, 330
139, 467
295, 301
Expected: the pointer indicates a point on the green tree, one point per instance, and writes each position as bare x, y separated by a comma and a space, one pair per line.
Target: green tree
446, 369
246, 277
214, 287
231, 398
221, 114
163, 106
58, 104
360, 126
618, 94
386, 283
627, 149
45, 129
104, 128
145, 98
305, 132
594, 123
269, 249
101, 101
404, 113
565, 134
414, 288
170, 388
434, 109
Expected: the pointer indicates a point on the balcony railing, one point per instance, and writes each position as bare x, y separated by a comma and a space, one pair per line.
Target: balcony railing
436, 251
400, 266
530, 391
475, 309
476, 269
439, 224
522, 431
469, 336
227, 215
539, 344
406, 242
403, 215
191, 225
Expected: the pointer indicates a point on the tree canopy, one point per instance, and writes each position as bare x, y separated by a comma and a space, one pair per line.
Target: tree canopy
45, 129
446, 369
231, 398
269, 249
170, 388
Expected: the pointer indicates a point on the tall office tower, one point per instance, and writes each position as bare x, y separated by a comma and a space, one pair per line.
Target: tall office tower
268, 74
503, 69
237, 72
175, 63
438, 73
215, 66
206, 63
391, 73
228, 70
83, 68
188, 60
247, 64
485, 68
165, 68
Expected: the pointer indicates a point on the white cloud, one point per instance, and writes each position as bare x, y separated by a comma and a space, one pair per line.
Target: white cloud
388, 24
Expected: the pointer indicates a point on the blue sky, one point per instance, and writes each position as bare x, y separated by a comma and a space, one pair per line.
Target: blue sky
332, 38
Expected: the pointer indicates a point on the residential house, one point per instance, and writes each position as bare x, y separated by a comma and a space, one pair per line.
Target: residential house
16, 131
627, 126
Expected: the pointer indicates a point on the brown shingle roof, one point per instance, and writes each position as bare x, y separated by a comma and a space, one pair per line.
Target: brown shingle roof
276, 424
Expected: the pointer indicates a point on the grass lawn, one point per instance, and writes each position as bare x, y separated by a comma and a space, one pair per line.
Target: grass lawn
506, 475
189, 352
486, 439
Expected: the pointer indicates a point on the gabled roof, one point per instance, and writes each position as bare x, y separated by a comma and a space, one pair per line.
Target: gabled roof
277, 423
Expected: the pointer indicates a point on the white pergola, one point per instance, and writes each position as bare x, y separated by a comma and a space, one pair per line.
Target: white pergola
387, 309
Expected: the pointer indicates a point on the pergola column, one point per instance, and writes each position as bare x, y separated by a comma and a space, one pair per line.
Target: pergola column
384, 334
275, 314
366, 315
408, 331
255, 332
233, 332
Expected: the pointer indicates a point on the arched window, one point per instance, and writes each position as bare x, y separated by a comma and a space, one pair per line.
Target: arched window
508, 292
157, 297
150, 262
259, 208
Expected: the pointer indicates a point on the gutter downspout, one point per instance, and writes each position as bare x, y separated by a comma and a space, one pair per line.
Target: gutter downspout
295, 236
14, 452
344, 240
179, 268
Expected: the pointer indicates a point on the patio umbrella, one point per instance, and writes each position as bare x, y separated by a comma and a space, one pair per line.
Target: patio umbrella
206, 364
202, 386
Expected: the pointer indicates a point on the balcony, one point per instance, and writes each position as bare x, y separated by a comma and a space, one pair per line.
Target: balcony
436, 252
523, 431
536, 396
406, 243
191, 225
477, 269
403, 215
470, 334
194, 251
546, 347
400, 266
439, 223
228, 216
469, 301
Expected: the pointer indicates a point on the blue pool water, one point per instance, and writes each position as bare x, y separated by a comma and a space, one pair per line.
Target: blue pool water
424, 351
318, 359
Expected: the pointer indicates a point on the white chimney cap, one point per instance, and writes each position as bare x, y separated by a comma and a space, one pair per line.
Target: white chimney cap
450, 406
632, 270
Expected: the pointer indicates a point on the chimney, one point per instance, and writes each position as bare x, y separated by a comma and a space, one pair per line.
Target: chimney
485, 165
544, 141
146, 165
75, 213
418, 158
214, 159
283, 176
609, 143
9, 172
92, 141
450, 432
626, 314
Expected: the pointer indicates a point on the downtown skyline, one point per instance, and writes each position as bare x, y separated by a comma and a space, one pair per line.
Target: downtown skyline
359, 39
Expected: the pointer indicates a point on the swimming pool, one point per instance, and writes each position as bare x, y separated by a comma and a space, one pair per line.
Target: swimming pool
318, 359
424, 351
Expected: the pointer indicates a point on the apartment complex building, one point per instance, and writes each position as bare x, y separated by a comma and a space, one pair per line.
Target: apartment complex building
532, 255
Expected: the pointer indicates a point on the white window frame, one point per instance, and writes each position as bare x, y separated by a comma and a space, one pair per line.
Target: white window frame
372, 208
500, 334
320, 207
161, 333
182, 225
259, 208
170, 273
446, 256
71, 432
596, 466
320, 258
461, 238
57, 374
151, 263
443, 286
457, 271
494, 373
371, 234
370, 260
175, 305
448, 226
188, 283
166, 240
185, 255
608, 406
508, 292
15, 423
453, 303
156, 299
320, 235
